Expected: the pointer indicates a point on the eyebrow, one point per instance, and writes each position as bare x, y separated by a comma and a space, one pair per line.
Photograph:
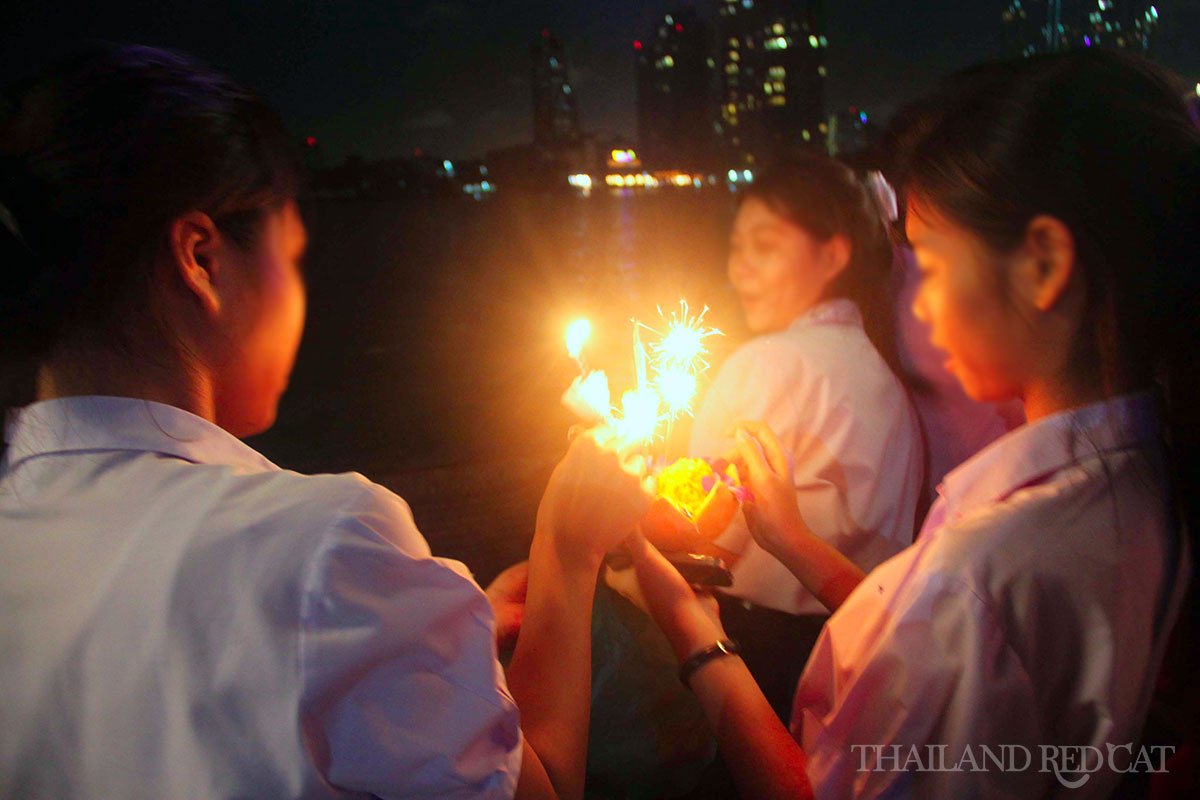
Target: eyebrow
767, 226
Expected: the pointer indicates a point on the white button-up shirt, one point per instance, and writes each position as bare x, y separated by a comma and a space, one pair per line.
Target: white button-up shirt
183, 619
1032, 610
853, 435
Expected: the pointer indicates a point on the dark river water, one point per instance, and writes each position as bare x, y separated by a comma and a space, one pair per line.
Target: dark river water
433, 357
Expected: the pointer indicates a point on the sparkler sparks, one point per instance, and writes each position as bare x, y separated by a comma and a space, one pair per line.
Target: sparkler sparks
666, 371
678, 358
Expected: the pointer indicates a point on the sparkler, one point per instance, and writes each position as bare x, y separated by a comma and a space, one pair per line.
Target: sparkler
666, 370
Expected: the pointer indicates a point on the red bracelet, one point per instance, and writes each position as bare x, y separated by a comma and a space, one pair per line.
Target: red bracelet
725, 647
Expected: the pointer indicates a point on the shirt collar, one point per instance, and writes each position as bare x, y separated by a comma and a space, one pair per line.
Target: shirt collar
1033, 452
96, 423
838, 311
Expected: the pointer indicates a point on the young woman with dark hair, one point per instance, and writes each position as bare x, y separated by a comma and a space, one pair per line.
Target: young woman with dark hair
1051, 204
810, 259
182, 618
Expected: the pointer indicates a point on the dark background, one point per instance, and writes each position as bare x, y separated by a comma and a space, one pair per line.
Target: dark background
451, 76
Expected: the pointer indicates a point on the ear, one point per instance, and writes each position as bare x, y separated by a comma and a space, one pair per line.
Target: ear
837, 255
1051, 246
194, 244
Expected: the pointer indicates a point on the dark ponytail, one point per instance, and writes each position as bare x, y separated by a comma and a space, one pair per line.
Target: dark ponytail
827, 199
1103, 142
97, 157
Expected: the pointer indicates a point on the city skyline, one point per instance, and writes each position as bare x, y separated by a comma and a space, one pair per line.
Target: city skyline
453, 76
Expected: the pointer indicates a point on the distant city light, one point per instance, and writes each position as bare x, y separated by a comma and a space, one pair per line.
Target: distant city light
624, 156
748, 175
448, 168
637, 45
311, 141
1087, 41
1198, 90
679, 27
733, 175
580, 181
814, 41
1154, 12
862, 117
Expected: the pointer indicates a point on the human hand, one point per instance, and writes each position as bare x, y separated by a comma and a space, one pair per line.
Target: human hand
506, 593
594, 498
773, 516
689, 620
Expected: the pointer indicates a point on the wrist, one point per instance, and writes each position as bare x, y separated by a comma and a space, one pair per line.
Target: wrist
705, 656
794, 540
689, 637
569, 555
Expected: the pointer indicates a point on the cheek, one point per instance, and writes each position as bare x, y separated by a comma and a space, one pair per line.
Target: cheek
970, 321
270, 345
283, 321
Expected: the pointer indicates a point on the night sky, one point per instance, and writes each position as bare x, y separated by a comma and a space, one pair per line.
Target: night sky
452, 76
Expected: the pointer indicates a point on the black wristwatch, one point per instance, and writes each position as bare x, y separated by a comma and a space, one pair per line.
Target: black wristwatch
725, 647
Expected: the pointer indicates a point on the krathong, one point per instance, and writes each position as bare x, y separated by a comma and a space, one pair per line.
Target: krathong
707, 492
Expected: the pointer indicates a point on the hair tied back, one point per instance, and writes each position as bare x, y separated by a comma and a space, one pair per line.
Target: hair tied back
885, 196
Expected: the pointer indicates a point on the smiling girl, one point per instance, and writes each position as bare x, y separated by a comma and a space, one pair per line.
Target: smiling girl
811, 262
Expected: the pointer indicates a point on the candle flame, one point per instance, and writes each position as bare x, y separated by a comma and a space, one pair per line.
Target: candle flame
578, 333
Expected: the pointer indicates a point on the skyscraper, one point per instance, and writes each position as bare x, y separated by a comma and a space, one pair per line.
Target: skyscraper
675, 95
555, 112
1047, 26
770, 64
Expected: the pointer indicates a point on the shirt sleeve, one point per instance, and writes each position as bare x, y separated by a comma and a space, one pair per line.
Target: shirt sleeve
897, 694
403, 695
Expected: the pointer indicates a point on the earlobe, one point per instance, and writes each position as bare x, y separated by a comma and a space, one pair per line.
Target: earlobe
194, 240
1052, 246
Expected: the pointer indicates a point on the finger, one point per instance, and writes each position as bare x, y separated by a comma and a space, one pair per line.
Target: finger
774, 450
751, 454
661, 583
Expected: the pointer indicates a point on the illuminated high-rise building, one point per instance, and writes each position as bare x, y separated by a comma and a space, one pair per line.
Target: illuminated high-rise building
771, 68
675, 94
1048, 26
555, 111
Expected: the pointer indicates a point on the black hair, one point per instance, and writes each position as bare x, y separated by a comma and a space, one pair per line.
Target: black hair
97, 157
1103, 142
826, 198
